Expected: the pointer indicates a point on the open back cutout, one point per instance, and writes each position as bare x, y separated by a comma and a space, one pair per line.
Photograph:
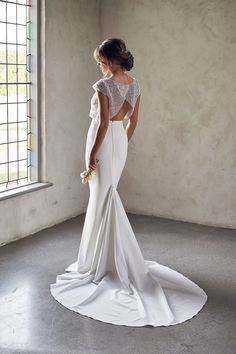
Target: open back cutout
126, 106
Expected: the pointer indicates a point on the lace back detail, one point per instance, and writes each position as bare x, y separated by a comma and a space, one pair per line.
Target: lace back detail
117, 94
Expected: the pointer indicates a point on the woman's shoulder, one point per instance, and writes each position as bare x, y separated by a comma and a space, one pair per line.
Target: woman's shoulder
102, 80
102, 83
135, 81
135, 87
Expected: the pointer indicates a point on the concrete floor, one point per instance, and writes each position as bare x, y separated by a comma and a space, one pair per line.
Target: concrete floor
31, 321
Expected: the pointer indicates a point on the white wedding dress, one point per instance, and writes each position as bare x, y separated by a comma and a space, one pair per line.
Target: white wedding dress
111, 281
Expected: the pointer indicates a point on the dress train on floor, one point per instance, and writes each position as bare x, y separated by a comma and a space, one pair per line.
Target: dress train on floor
111, 281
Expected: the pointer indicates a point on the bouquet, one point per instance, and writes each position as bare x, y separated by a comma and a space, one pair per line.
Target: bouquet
87, 175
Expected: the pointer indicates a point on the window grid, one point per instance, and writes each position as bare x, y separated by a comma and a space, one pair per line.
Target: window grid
13, 170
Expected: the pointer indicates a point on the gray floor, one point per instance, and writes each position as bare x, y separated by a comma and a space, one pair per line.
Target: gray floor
31, 321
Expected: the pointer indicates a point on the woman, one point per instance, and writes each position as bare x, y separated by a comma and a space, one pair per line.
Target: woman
111, 281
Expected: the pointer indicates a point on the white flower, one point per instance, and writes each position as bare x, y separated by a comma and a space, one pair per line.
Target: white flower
86, 175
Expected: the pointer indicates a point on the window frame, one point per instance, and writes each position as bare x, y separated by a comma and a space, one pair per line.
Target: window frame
35, 175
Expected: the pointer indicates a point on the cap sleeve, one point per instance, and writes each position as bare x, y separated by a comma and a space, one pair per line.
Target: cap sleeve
138, 90
101, 86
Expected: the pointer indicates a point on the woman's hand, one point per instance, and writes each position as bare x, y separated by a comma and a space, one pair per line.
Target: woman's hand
93, 162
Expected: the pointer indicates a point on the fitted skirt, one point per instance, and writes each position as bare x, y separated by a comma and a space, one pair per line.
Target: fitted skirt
110, 280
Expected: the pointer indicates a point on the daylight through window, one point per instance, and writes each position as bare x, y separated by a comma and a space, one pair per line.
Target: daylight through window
15, 93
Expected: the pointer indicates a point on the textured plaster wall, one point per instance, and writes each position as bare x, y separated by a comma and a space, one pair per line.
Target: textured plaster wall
70, 33
181, 163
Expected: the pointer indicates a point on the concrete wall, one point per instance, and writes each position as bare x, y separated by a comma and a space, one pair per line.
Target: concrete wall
70, 34
181, 163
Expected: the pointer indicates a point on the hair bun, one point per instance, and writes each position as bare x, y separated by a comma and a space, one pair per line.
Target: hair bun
128, 60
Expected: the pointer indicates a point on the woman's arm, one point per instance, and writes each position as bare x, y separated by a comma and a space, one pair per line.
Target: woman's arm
103, 104
133, 119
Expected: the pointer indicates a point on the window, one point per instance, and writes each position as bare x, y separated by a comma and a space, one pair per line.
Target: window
18, 94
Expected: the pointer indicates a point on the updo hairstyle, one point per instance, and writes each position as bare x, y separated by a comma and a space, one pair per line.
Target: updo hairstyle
114, 49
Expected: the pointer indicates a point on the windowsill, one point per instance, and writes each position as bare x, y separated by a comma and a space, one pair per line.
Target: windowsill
24, 189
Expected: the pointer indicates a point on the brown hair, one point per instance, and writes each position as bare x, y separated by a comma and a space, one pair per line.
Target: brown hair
114, 49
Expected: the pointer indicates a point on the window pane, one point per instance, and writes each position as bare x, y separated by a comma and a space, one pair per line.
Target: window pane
28, 45
29, 126
3, 133
2, 11
11, 33
11, 69
21, 73
23, 168
22, 149
22, 131
28, 62
3, 173
21, 34
3, 77
3, 93
22, 93
29, 30
22, 2
11, 54
3, 32
12, 93
12, 170
29, 108
12, 132
29, 157
28, 76
12, 151
21, 14
12, 112
22, 111
2, 53
21, 54
3, 113
29, 141
3, 153
11, 12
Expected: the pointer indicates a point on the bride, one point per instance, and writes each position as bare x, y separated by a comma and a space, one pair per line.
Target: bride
111, 281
